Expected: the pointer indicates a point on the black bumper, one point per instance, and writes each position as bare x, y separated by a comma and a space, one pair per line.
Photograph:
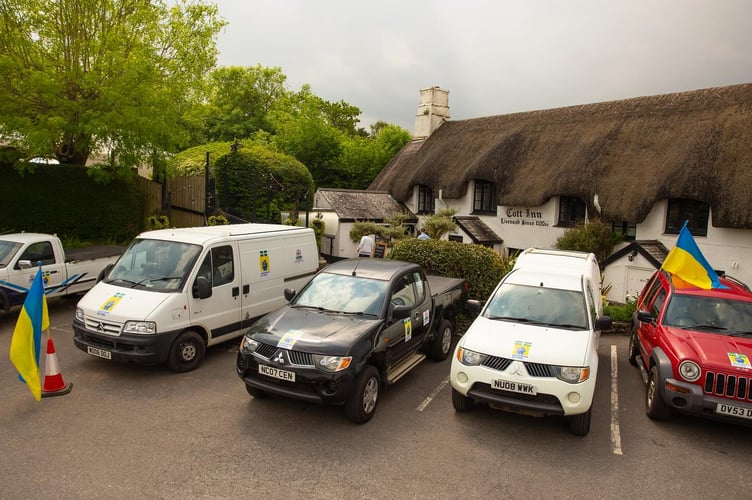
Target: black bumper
311, 384
139, 349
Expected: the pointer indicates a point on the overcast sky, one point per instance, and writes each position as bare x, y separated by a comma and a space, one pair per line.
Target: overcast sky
494, 57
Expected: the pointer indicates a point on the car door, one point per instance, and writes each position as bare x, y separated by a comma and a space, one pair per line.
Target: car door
219, 313
407, 322
53, 270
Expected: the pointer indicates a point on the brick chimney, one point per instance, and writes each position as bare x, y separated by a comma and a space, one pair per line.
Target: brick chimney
432, 111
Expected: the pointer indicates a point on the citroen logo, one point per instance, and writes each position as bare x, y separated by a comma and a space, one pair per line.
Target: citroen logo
279, 358
100, 327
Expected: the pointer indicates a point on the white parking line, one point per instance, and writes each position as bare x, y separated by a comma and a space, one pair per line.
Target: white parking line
433, 395
615, 434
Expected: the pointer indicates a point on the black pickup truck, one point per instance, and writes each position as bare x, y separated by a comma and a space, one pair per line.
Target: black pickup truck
357, 325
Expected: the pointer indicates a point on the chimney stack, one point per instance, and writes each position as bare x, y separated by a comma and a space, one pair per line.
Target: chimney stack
432, 111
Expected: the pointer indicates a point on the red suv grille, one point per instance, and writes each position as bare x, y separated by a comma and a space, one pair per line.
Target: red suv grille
729, 386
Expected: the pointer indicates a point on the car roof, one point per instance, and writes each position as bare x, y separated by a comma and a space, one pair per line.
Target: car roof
381, 269
735, 289
533, 277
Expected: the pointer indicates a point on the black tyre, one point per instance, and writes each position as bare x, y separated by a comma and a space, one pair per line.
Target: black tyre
186, 352
256, 392
442, 343
655, 407
634, 349
461, 402
579, 424
361, 405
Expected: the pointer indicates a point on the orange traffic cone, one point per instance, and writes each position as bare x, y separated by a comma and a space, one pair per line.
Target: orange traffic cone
53, 380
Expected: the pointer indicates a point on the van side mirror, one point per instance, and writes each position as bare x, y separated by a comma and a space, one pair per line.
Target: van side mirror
104, 272
290, 294
201, 288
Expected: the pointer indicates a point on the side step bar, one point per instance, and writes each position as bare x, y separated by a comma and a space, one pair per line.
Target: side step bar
398, 371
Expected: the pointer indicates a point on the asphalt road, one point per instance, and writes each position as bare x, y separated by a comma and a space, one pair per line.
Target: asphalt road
145, 432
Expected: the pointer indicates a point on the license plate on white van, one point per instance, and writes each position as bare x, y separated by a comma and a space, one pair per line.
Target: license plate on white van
271, 371
100, 353
734, 411
507, 385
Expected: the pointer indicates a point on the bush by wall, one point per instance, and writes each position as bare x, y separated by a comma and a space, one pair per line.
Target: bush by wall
479, 265
66, 200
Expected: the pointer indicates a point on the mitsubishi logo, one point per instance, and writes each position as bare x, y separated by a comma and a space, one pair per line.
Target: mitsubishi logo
516, 369
279, 358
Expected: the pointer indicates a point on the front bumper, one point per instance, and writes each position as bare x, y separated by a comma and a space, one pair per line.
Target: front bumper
139, 349
688, 398
552, 396
310, 385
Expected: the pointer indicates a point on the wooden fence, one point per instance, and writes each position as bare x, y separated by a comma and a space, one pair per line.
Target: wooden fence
182, 199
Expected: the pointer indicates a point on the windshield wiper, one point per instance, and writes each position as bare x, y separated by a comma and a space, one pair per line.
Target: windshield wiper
739, 334
704, 327
316, 308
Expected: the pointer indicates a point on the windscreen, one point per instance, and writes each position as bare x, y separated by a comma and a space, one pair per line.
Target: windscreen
7, 250
156, 265
529, 304
347, 294
709, 314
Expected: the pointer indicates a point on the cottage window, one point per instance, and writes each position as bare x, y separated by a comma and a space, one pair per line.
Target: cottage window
571, 211
425, 200
484, 200
696, 212
455, 237
627, 230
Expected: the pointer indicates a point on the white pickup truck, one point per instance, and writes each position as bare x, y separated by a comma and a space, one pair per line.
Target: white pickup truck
64, 273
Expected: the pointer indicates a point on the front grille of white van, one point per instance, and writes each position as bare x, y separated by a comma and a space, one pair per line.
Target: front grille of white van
533, 369
100, 325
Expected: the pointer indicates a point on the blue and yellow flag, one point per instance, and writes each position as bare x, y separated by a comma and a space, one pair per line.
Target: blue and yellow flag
686, 261
25, 346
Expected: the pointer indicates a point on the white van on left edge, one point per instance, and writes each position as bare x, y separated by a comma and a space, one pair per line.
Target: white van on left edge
174, 292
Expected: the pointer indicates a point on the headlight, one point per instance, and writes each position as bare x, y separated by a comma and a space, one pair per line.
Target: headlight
470, 358
79, 314
689, 370
140, 327
332, 363
572, 374
248, 345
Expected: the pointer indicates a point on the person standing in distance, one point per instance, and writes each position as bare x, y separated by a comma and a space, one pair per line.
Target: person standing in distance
365, 247
423, 235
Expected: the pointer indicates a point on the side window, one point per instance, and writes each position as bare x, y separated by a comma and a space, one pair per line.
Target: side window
223, 266
36, 252
420, 289
571, 211
593, 296
404, 293
657, 307
484, 197
425, 200
651, 287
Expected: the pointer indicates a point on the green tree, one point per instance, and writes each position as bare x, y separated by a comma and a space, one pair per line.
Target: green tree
440, 223
80, 75
239, 99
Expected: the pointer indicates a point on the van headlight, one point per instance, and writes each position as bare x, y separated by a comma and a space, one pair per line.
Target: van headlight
79, 314
248, 345
140, 327
689, 370
332, 363
572, 374
470, 358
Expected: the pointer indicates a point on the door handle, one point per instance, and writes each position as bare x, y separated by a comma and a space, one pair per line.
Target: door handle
235, 291
53, 272
246, 289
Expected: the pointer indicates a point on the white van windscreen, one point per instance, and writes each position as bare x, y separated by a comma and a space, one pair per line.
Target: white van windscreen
156, 265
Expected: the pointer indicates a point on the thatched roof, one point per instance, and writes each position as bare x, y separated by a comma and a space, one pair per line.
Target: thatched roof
352, 205
632, 153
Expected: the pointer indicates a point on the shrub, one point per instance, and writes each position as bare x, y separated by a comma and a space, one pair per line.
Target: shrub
620, 312
595, 237
479, 265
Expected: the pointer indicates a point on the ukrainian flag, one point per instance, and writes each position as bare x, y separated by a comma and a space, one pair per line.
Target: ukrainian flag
25, 346
686, 261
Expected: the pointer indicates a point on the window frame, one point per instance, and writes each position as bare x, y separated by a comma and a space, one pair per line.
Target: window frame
570, 208
426, 200
680, 209
486, 202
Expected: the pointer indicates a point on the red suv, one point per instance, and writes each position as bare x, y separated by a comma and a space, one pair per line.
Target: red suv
694, 349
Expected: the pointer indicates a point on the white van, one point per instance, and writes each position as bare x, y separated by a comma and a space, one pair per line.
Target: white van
534, 346
176, 291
